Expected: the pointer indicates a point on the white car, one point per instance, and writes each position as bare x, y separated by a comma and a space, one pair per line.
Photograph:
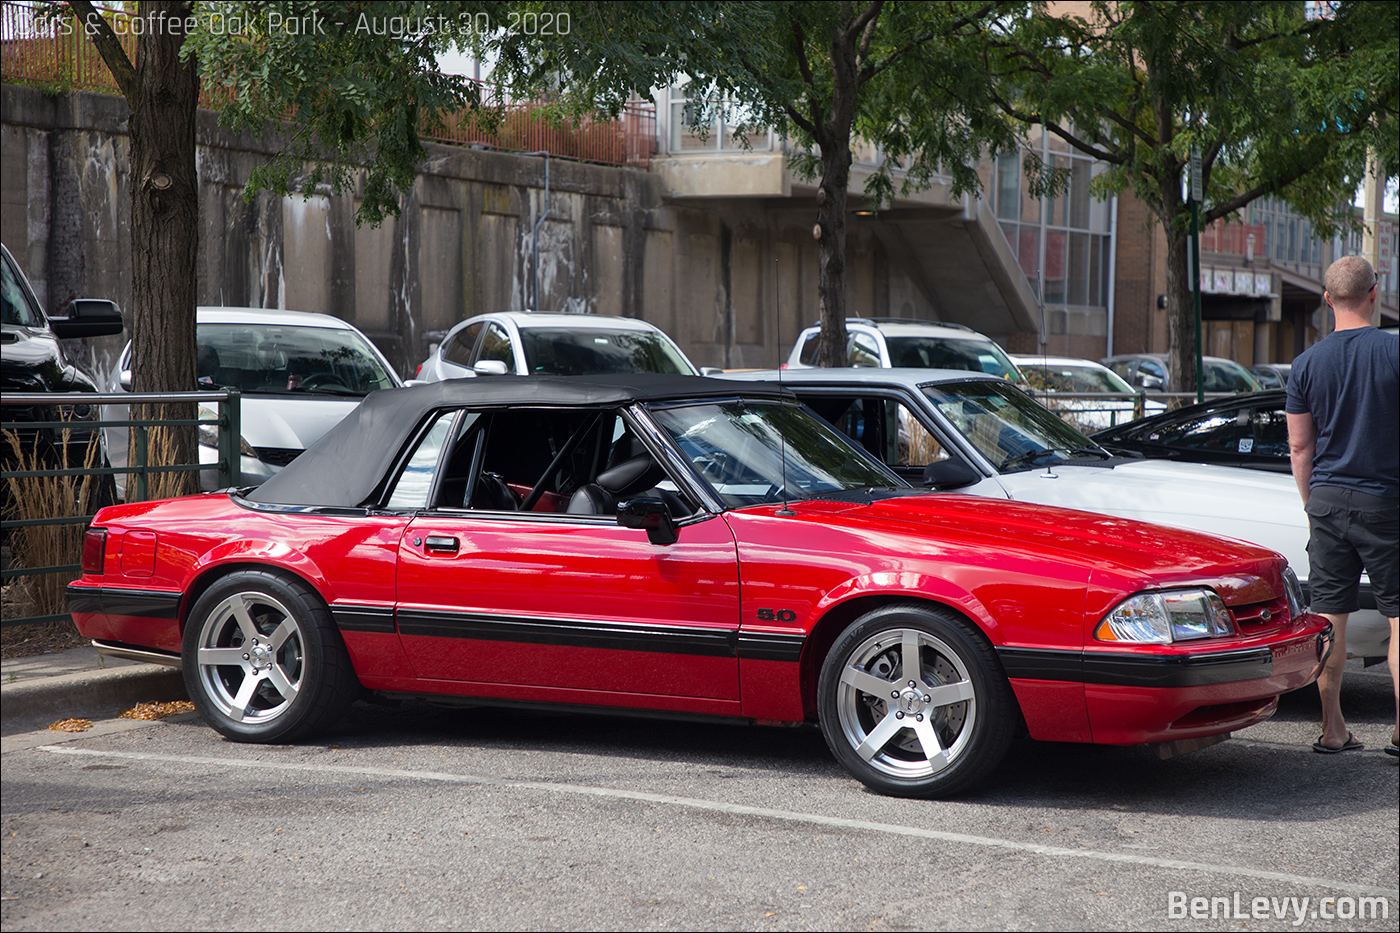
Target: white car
1048, 376
882, 343
299, 374
529, 343
981, 436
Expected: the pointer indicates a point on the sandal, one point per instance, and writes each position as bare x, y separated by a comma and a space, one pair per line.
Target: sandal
1352, 744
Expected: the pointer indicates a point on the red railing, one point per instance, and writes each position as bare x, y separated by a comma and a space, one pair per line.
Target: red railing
46, 52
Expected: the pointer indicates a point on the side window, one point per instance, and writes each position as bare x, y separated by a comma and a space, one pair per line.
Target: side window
413, 486
496, 346
913, 444
1221, 433
809, 350
887, 429
459, 350
863, 352
1270, 433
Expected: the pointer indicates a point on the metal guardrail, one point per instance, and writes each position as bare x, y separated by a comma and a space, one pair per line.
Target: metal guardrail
227, 426
1139, 400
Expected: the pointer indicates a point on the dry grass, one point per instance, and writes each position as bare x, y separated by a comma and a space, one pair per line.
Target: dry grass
48, 545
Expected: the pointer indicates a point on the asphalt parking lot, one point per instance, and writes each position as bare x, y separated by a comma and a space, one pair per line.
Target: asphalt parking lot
417, 817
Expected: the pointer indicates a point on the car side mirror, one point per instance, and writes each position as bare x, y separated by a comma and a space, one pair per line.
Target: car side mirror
651, 514
1148, 382
950, 474
489, 368
88, 317
711, 371
124, 380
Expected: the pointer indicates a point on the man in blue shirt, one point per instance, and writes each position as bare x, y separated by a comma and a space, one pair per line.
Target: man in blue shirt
1343, 414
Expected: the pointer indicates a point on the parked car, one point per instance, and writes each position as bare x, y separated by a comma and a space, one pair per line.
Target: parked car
680, 546
885, 342
32, 359
1272, 375
529, 343
1149, 371
980, 436
1240, 431
299, 374
1048, 376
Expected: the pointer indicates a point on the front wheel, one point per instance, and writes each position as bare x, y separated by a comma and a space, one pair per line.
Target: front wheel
263, 660
913, 702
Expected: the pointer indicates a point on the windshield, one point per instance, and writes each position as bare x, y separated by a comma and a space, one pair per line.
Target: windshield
590, 351
1227, 376
1013, 431
17, 307
265, 358
747, 450
978, 356
1056, 377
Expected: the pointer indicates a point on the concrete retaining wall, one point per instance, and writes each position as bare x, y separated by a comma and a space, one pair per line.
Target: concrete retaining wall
708, 271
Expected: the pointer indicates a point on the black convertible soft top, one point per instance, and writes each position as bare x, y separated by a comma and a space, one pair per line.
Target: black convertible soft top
344, 467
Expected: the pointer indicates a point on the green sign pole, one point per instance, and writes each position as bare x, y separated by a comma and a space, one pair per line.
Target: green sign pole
1196, 195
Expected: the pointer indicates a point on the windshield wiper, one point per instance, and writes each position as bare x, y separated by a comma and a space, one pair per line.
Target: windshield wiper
1027, 457
1031, 455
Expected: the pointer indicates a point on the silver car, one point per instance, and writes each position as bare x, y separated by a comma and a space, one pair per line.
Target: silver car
299, 374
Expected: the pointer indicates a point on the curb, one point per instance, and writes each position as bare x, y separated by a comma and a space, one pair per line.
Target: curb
42, 701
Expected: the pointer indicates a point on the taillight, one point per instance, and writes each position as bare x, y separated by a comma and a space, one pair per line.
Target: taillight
94, 549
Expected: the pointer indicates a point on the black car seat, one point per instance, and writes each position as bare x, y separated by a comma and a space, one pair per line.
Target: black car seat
492, 493
614, 484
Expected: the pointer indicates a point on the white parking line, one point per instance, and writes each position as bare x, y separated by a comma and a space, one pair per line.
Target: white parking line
816, 819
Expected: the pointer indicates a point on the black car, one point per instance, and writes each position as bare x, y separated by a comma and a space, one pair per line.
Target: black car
32, 360
1244, 431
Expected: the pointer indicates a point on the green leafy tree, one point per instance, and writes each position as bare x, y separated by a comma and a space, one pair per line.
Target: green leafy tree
348, 86
827, 75
345, 87
1274, 104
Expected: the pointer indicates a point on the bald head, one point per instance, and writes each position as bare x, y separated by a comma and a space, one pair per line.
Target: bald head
1349, 281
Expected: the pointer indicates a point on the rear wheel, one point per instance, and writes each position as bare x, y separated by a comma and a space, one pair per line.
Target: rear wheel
263, 660
913, 702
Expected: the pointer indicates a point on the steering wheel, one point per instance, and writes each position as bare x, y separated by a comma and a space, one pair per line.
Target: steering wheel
322, 381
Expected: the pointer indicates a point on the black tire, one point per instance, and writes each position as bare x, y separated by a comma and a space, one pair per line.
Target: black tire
926, 735
263, 660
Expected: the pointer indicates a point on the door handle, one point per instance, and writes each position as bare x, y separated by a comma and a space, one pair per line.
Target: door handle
443, 544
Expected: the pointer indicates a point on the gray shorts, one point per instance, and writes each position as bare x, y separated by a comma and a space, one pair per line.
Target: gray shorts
1352, 531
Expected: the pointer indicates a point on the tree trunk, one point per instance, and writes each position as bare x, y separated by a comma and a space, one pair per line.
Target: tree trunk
831, 276
1181, 313
165, 237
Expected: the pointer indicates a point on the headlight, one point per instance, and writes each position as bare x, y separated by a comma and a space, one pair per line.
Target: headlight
1164, 617
209, 433
1294, 589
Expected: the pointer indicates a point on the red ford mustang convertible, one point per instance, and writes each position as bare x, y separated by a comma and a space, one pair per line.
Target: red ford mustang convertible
691, 547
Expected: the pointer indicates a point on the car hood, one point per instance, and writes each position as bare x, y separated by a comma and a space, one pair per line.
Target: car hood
1250, 505
294, 423
1139, 553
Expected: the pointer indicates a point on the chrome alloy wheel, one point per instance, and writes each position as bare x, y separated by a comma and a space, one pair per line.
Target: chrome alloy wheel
905, 703
251, 657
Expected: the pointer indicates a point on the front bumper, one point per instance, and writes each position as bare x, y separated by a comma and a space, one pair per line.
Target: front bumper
1169, 697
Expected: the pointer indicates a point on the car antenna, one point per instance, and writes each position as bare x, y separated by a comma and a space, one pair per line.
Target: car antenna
778, 333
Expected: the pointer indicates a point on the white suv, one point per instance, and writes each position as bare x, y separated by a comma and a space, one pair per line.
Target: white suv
886, 343
527, 343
